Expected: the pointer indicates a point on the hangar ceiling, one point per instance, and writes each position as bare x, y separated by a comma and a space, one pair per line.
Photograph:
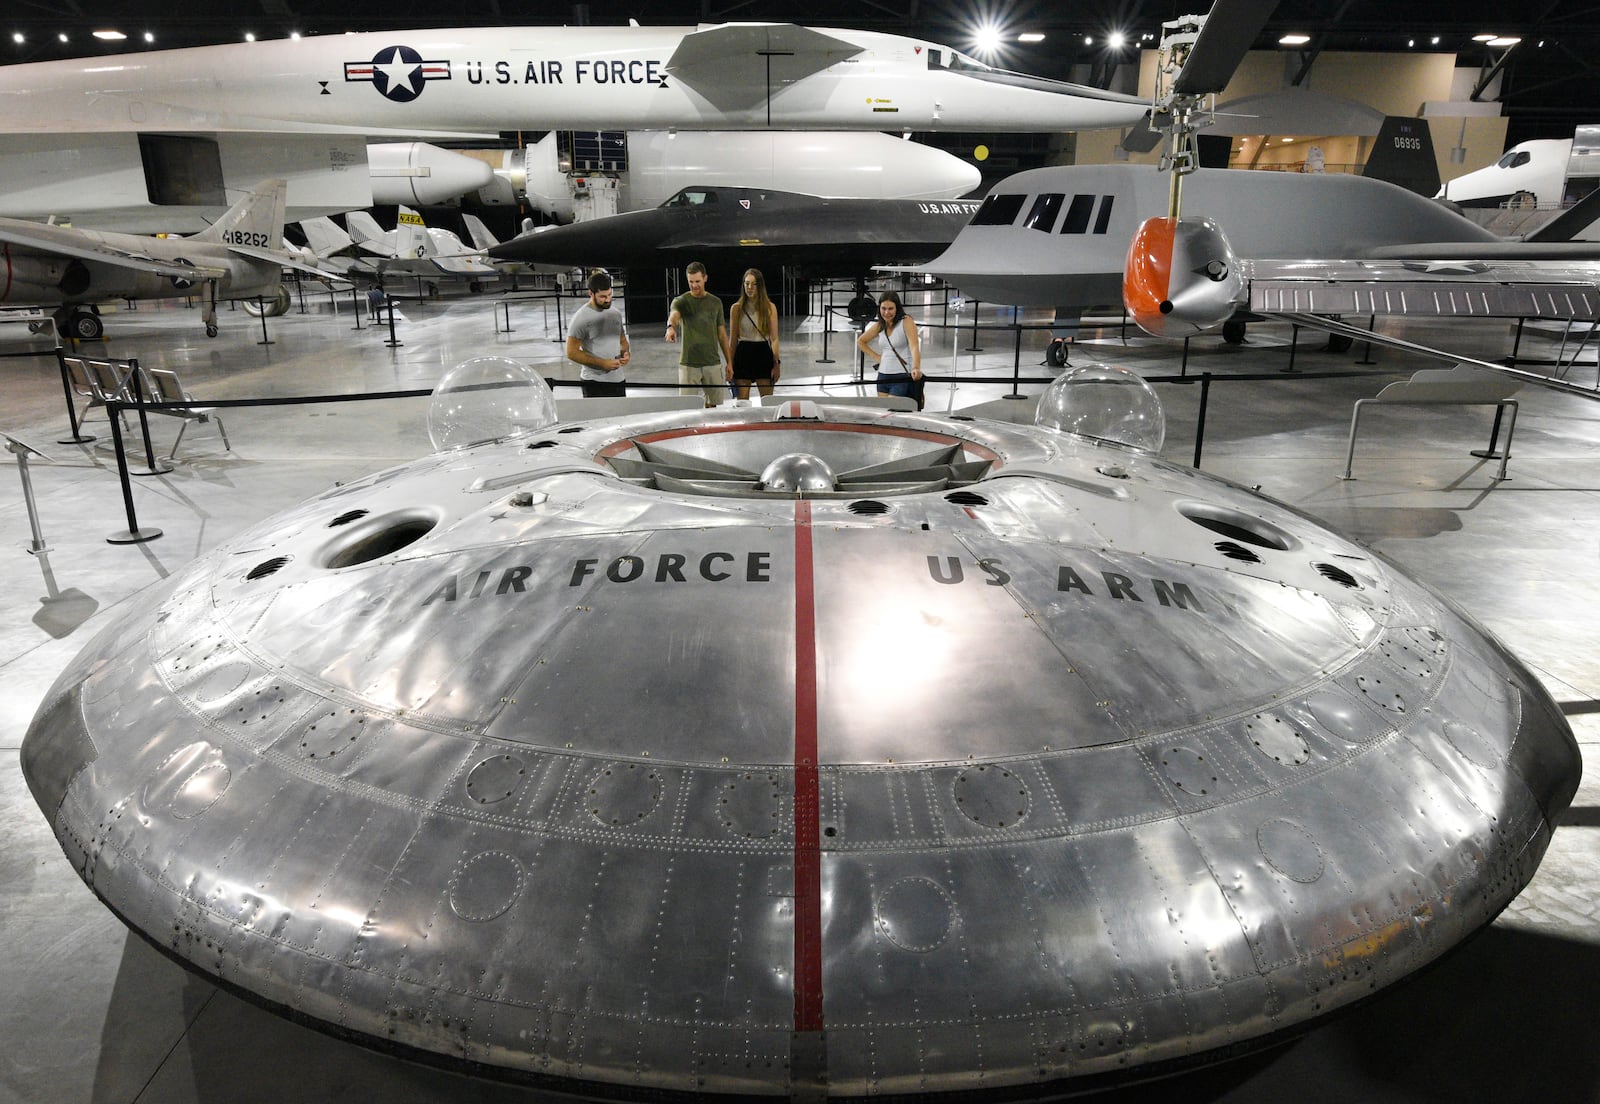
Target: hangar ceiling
1548, 78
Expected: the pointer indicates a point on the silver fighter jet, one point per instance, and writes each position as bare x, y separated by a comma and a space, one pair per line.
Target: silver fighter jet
803, 751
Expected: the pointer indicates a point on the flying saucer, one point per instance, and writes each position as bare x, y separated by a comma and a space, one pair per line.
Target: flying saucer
806, 750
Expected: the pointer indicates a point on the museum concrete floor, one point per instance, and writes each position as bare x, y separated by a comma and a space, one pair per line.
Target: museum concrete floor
91, 1013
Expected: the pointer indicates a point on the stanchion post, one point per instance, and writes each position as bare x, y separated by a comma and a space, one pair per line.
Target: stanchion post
77, 437
355, 304
136, 377
1016, 359
132, 534
261, 305
1366, 355
393, 342
827, 324
974, 347
1200, 418
1294, 345
1492, 452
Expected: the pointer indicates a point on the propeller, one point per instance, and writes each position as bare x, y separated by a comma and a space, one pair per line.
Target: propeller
1180, 277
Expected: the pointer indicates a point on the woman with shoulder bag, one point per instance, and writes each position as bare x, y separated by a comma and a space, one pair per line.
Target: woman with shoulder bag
753, 332
899, 357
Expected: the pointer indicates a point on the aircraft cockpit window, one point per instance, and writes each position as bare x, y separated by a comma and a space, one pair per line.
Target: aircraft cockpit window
957, 62
999, 210
1078, 215
1514, 159
1044, 212
691, 197
1522, 159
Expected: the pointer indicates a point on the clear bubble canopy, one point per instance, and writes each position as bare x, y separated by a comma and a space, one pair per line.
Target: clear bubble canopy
488, 398
1107, 403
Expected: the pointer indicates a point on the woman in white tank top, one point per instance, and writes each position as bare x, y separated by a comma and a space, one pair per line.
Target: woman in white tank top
897, 351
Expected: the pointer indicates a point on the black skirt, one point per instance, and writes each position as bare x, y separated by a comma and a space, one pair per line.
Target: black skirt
752, 360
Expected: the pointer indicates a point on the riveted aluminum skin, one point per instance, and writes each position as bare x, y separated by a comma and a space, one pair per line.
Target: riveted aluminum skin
1018, 760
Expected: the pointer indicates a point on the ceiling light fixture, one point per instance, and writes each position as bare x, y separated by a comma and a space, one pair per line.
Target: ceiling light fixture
1117, 40
149, 36
1087, 41
110, 36
1504, 40
1483, 37
987, 39
1434, 40
16, 36
63, 37
1294, 40
249, 36
1030, 36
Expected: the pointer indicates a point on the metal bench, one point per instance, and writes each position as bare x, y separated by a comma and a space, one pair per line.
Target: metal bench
163, 387
98, 381
1463, 385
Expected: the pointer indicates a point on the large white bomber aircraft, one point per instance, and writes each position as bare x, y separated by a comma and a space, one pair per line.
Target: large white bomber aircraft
472, 81
190, 125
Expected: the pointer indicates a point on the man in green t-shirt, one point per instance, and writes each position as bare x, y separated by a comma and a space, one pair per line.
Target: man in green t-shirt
699, 317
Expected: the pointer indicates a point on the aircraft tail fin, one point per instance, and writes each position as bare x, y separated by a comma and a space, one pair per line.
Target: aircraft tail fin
1403, 154
324, 236
1573, 224
371, 237
411, 235
482, 236
256, 220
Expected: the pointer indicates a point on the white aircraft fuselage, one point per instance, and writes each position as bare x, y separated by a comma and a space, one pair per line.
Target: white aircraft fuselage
164, 139
477, 81
830, 164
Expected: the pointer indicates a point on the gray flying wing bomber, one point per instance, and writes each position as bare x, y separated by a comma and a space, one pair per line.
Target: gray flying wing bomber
806, 751
1058, 236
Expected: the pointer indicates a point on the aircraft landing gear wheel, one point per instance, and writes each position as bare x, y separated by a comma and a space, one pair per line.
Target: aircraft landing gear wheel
211, 329
1055, 354
1523, 201
1233, 332
1340, 343
85, 325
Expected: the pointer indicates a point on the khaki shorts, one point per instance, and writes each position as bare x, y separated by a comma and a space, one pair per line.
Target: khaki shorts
708, 381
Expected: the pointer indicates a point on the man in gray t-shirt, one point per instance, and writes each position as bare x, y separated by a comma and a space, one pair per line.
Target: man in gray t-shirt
597, 342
